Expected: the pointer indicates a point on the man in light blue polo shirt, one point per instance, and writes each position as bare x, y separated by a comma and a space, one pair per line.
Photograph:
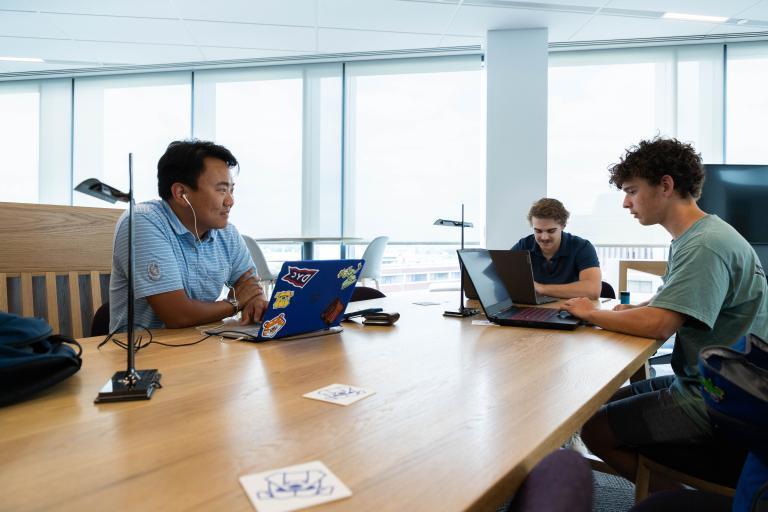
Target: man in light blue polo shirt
564, 265
185, 249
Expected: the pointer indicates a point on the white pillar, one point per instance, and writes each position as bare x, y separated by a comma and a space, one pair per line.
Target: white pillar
516, 147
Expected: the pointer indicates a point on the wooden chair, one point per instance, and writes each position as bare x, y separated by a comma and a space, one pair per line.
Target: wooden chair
713, 467
646, 466
657, 268
55, 262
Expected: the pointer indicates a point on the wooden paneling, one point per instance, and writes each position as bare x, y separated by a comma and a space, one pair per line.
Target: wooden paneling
26, 294
50, 241
3, 292
41, 238
74, 305
51, 300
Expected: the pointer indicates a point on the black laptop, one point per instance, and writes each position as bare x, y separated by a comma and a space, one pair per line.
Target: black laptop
515, 270
496, 301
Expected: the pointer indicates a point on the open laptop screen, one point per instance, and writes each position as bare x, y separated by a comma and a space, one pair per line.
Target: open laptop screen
493, 295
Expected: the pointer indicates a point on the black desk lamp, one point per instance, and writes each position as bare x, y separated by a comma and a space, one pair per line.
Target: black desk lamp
462, 311
131, 384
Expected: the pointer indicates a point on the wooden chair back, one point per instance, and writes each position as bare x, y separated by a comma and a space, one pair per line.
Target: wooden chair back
646, 467
55, 262
655, 267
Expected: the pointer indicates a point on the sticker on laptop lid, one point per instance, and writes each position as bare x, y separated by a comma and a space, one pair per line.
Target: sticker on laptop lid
332, 311
299, 277
272, 326
349, 275
282, 299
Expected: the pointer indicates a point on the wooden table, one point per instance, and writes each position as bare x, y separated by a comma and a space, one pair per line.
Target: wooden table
308, 243
461, 414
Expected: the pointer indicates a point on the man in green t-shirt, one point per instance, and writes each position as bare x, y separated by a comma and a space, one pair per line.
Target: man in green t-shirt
714, 291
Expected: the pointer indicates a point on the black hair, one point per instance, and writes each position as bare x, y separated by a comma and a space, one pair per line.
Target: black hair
652, 159
184, 162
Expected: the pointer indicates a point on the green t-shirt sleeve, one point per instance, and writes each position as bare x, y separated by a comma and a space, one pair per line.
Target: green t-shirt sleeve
696, 286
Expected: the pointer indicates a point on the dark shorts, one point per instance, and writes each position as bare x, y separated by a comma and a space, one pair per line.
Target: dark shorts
646, 413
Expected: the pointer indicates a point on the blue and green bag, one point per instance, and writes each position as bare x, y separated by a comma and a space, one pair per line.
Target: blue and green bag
735, 389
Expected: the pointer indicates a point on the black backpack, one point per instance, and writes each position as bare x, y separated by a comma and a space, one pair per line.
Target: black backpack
32, 358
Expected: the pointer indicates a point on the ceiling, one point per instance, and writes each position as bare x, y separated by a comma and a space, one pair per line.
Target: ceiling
71, 34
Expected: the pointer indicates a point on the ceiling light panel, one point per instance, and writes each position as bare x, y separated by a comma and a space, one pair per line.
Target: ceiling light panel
681, 16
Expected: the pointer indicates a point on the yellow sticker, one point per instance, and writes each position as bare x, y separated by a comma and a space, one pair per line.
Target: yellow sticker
282, 299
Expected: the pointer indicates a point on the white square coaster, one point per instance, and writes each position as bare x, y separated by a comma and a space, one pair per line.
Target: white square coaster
293, 487
340, 394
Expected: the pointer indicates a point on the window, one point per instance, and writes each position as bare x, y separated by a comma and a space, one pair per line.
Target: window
19, 138
119, 115
747, 103
602, 102
416, 147
284, 127
415, 153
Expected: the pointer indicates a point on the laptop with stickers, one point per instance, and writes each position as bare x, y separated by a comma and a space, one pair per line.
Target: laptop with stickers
308, 297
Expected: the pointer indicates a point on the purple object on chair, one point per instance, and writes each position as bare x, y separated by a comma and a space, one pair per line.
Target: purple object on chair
562, 481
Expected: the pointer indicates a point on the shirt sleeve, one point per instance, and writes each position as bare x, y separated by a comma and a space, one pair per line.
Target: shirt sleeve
156, 269
241, 257
696, 286
586, 257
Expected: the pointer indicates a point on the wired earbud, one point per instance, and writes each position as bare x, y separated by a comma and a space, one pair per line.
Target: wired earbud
197, 235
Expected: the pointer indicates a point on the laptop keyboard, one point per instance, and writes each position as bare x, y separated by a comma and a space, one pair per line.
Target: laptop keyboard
534, 314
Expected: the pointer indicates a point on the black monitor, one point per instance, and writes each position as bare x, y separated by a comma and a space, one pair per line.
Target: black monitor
738, 194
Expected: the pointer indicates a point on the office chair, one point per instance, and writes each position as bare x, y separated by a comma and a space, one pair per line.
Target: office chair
100, 322
365, 293
373, 256
607, 291
561, 482
265, 274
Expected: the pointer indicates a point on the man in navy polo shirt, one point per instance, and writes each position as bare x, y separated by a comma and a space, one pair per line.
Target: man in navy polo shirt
564, 265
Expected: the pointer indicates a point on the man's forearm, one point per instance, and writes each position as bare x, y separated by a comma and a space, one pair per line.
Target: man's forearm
197, 313
175, 309
638, 321
576, 289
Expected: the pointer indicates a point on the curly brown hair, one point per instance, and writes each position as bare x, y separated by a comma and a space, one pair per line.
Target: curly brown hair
655, 158
548, 208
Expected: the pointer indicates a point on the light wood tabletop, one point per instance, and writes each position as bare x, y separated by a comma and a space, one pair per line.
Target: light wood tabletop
461, 413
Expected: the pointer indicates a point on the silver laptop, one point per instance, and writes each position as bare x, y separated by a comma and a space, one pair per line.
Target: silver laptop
515, 270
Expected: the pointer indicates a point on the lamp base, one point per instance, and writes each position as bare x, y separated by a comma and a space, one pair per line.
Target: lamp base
120, 389
461, 312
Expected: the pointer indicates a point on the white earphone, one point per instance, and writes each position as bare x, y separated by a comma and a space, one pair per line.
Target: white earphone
197, 235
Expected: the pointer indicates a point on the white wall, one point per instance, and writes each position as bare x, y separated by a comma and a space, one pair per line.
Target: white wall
516, 169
